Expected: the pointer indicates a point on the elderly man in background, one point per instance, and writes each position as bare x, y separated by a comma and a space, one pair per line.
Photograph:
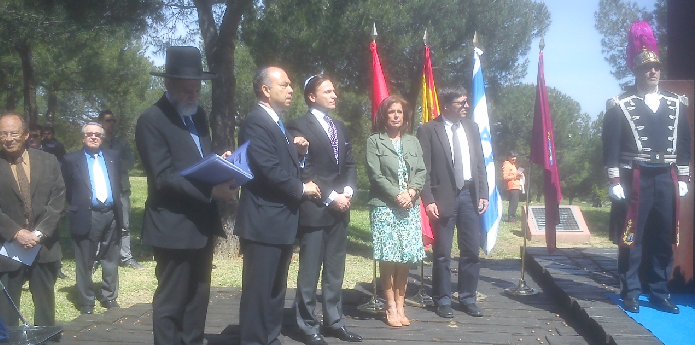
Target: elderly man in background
110, 141
32, 198
92, 182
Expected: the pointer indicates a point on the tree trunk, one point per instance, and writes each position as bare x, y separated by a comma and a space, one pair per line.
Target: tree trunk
6, 81
31, 112
219, 53
51, 106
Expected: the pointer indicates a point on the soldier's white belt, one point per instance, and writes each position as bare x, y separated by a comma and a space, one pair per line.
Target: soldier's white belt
652, 157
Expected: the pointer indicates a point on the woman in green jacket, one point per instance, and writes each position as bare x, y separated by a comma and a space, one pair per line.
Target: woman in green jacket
396, 174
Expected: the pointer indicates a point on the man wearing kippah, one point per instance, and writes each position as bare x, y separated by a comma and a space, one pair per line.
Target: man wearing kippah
646, 150
323, 222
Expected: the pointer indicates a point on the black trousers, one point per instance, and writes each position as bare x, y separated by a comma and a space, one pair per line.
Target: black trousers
180, 303
319, 246
513, 203
465, 219
103, 236
653, 238
264, 283
42, 278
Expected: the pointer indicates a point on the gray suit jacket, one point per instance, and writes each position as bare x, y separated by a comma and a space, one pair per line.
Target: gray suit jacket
47, 204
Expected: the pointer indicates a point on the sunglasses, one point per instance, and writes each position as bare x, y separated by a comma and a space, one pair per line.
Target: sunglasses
92, 134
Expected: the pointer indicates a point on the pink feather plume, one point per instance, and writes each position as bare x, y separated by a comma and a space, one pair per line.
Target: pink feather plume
639, 37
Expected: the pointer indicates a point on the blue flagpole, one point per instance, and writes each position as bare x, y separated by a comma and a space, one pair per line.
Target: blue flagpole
490, 220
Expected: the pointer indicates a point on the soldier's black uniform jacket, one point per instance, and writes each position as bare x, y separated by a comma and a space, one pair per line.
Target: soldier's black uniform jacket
633, 132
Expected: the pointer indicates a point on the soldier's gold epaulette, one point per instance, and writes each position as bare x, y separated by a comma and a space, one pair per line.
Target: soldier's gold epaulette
611, 103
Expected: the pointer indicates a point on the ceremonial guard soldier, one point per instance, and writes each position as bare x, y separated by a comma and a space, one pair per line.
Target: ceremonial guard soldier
646, 147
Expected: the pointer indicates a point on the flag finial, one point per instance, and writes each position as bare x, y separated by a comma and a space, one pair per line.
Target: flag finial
475, 39
424, 38
374, 34
541, 45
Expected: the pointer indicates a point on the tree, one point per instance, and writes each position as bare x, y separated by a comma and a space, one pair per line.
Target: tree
332, 36
577, 138
613, 20
28, 23
217, 25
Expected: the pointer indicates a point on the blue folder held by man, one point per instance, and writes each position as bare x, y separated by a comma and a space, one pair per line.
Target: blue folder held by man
214, 169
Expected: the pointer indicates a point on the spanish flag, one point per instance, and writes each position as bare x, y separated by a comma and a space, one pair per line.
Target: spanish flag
379, 90
430, 110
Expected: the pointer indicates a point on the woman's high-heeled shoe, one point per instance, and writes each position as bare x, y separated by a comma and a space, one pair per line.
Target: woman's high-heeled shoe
392, 319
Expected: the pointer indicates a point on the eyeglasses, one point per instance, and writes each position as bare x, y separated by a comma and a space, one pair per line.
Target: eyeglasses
92, 134
460, 103
10, 135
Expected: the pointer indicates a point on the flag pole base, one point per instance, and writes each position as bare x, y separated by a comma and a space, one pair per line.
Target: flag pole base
521, 289
374, 306
422, 300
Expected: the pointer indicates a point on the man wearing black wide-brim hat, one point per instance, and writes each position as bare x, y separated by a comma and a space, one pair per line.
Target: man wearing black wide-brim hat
180, 215
646, 149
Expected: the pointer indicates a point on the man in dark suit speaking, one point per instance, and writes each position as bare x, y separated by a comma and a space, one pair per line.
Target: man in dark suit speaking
454, 195
93, 186
323, 223
269, 208
32, 197
180, 215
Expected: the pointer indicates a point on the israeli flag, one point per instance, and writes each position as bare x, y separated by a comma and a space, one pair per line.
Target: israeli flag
490, 220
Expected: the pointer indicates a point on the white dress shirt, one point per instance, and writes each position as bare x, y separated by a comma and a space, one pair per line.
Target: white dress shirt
463, 141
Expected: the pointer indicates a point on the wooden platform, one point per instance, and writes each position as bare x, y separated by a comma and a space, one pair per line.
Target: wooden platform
578, 279
524, 320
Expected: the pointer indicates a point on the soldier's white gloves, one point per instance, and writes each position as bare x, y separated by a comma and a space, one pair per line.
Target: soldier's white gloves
682, 188
616, 192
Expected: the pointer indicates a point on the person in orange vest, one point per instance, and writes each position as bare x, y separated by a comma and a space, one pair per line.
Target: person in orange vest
512, 176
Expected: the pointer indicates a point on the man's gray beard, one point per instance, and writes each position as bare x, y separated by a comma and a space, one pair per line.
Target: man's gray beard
186, 111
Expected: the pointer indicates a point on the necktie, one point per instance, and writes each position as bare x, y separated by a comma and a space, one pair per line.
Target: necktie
194, 132
458, 157
282, 128
99, 180
25, 191
332, 136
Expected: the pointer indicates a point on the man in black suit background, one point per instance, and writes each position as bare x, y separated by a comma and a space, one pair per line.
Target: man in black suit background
93, 186
51, 145
32, 198
268, 214
455, 195
180, 215
107, 119
323, 223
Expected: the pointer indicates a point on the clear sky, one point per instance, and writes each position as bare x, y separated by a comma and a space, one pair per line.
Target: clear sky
572, 56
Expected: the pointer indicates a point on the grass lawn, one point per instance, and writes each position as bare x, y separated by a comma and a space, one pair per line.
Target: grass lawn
138, 286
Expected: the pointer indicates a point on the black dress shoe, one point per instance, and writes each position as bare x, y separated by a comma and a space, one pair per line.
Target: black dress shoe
664, 305
471, 309
314, 339
343, 334
631, 305
132, 264
445, 311
60, 274
110, 304
87, 309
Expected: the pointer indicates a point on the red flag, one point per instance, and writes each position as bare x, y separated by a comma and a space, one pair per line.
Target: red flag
543, 153
430, 110
379, 90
